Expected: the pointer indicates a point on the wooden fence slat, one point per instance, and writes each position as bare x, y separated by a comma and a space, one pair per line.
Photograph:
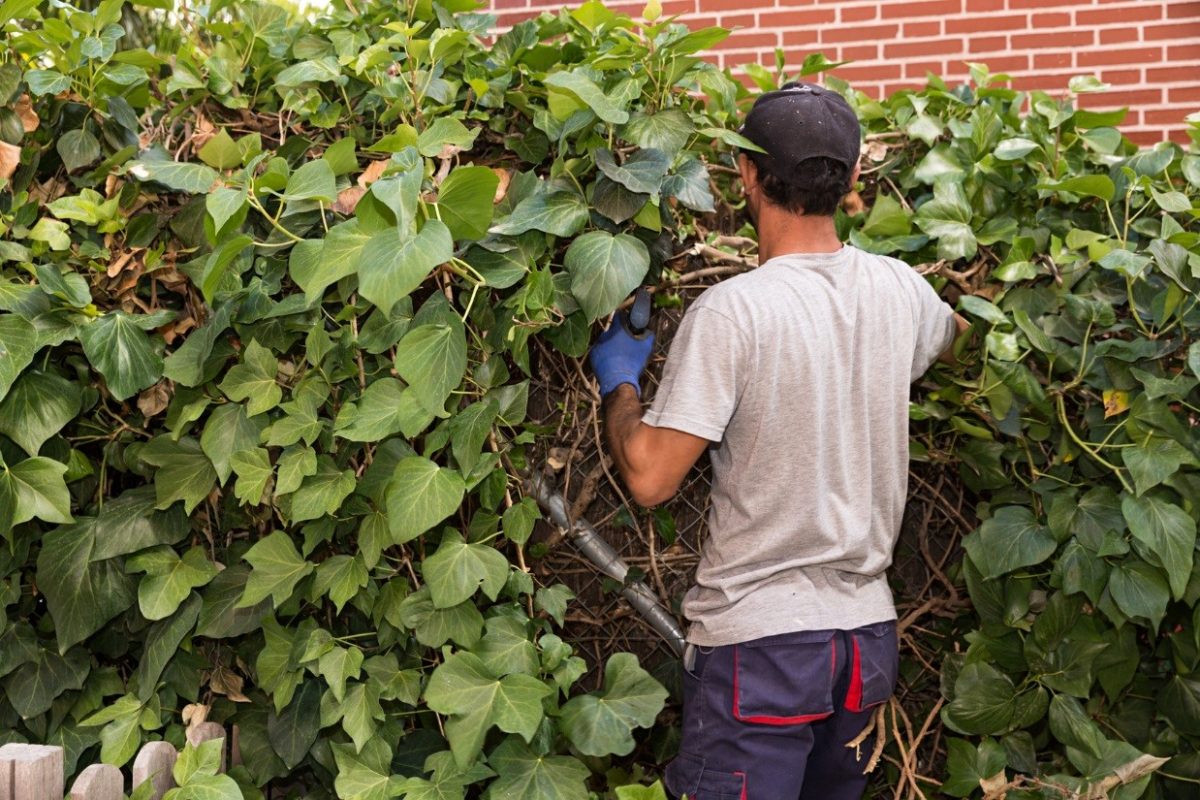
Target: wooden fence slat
98, 782
206, 731
31, 772
154, 763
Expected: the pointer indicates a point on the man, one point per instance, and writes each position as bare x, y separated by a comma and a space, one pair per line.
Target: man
796, 377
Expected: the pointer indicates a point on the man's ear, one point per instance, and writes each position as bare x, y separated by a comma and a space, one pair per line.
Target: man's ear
854, 175
748, 171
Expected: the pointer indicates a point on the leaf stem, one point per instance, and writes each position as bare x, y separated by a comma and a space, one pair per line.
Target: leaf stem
1062, 417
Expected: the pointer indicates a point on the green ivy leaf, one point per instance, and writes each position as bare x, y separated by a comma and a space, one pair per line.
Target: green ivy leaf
169, 579
253, 380
392, 263
184, 472
340, 577
117, 346
1011, 539
667, 130
221, 152
642, 172
220, 615
525, 775
253, 469
947, 218
18, 343
294, 730
602, 723
277, 570
476, 700
433, 360
33, 488
1167, 532
1140, 590
38, 406
33, 688
82, 593
328, 260
604, 269
560, 213
984, 701
420, 495
180, 176
457, 570
162, 644
465, 202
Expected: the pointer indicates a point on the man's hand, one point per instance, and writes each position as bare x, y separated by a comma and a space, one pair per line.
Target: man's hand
618, 357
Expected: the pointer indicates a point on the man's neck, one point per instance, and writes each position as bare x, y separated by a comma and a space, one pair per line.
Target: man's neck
781, 233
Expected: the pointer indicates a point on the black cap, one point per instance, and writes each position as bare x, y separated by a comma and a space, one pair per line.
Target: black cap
801, 121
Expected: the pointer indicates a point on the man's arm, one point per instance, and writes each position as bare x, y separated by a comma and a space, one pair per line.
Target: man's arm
947, 355
652, 461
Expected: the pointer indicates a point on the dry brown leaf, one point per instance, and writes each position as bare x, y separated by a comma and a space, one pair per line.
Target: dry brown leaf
853, 203
195, 714
877, 151
227, 682
557, 458
153, 401
502, 187
205, 130
24, 109
995, 787
10, 159
1115, 402
347, 199
371, 173
119, 263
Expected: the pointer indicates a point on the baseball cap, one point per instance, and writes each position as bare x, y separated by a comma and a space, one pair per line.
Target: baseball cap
800, 121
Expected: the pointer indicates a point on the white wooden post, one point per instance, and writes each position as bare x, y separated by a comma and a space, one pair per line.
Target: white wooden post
98, 782
154, 763
31, 772
203, 733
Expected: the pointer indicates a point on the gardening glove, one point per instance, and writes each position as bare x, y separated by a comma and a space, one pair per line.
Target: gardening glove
619, 357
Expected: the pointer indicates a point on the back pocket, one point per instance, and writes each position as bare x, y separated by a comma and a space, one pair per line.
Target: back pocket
687, 777
785, 679
874, 664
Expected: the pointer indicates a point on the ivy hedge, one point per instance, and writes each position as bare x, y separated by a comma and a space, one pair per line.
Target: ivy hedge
268, 289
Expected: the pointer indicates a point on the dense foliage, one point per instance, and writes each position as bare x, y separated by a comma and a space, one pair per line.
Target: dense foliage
269, 300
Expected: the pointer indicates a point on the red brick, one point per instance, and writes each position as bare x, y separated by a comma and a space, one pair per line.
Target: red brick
1039, 21
794, 18
859, 33
1134, 98
510, 3
709, 6
787, 2
1009, 63
1057, 40
1171, 30
749, 40
974, 6
799, 36
858, 13
1183, 10
892, 88
507, 20
1183, 52
1143, 12
872, 72
1051, 60
927, 28
1144, 138
987, 44
1178, 74
1034, 4
970, 24
1118, 35
1118, 77
1098, 58
924, 8
929, 47
917, 69
737, 21
1178, 135
1184, 94
1166, 116
858, 52
1044, 81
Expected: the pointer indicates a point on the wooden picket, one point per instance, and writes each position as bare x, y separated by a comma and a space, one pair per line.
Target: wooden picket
35, 772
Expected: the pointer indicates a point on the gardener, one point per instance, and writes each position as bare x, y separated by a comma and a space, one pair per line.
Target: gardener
795, 377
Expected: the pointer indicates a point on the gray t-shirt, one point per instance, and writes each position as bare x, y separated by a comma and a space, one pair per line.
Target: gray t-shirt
800, 371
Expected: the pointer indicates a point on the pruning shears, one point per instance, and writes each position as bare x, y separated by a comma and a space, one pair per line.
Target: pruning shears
637, 321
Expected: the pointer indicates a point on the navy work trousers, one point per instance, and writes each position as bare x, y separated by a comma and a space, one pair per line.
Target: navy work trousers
769, 719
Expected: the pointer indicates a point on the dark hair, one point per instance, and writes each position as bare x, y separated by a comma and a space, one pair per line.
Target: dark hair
814, 187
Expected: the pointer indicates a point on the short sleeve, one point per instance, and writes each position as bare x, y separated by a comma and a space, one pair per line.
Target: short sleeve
935, 325
704, 376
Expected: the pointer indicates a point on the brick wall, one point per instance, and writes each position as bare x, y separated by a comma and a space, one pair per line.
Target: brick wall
1148, 50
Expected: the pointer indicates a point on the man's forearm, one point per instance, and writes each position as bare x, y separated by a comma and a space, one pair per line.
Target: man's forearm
622, 416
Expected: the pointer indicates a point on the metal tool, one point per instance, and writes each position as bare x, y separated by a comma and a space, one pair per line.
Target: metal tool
601, 553
637, 321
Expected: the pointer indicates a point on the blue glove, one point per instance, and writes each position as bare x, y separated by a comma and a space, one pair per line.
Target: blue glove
617, 357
